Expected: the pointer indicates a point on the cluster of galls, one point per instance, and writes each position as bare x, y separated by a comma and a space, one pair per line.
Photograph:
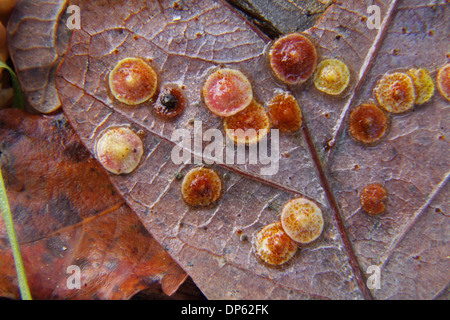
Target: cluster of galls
228, 94
396, 93
293, 59
301, 219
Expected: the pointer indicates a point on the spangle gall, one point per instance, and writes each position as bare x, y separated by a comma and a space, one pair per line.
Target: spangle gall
395, 92
423, 85
443, 81
367, 123
332, 76
248, 126
171, 102
373, 199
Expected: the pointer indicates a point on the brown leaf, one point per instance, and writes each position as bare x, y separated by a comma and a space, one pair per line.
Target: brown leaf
280, 16
66, 212
205, 242
185, 41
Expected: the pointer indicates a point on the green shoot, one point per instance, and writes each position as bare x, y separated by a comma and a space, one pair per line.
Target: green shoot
7, 217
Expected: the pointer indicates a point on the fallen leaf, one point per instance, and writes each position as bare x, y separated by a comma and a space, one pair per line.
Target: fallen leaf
185, 40
67, 213
38, 45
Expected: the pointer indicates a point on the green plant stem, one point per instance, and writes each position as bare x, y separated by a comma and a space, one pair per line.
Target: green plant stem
19, 98
7, 217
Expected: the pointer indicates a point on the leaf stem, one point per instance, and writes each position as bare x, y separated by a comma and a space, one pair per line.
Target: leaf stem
7, 217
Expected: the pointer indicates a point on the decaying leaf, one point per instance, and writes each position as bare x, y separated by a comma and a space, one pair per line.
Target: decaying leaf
185, 41
38, 38
282, 16
67, 213
412, 161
